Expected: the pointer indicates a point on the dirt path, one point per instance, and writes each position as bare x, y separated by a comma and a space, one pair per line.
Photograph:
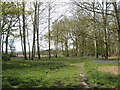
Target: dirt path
84, 82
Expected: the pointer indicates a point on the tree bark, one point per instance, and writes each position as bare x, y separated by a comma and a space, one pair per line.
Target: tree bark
38, 45
24, 31
6, 41
21, 36
49, 29
117, 14
34, 30
28, 43
95, 35
20, 29
0, 40
104, 15
66, 48
76, 43
7, 36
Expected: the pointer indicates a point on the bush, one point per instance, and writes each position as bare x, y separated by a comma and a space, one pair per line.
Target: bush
5, 57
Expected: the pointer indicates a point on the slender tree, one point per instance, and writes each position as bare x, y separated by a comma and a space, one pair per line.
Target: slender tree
0, 37
117, 16
95, 35
49, 28
34, 29
24, 31
38, 45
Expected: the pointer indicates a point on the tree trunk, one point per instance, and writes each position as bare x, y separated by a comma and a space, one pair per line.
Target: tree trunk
49, 28
28, 43
20, 30
66, 48
105, 30
7, 36
117, 13
76, 43
57, 44
34, 31
21, 36
62, 48
0, 42
6, 41
24, 31
38, 45
0, 52
95, 35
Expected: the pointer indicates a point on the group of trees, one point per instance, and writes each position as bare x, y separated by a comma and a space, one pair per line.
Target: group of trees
16, 22
92, 30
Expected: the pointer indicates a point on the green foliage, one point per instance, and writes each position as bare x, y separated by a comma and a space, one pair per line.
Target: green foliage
5, 57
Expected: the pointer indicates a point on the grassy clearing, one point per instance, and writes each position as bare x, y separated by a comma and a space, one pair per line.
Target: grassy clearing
100, 79
60, 72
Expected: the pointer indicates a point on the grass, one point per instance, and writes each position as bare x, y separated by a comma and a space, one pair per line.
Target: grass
61, 72
100, 79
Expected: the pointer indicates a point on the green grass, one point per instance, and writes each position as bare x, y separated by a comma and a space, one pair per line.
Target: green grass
57, 72
100, 79
60, 72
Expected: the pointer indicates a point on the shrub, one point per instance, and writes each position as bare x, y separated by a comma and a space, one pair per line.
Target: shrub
5, 57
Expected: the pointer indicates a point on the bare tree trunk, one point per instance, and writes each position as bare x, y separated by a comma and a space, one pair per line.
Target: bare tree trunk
24, 31
3, 36
76, 43
117, 13
0, 52
6, 41
28, 43
38, 45
21, 36
82, 51
62, 48
95, 35
105, 30
34, 30
56, 55
7, 36
66, 48
20, 30
0, 40
49, 28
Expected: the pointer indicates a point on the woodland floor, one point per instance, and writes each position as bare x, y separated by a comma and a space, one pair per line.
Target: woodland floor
61, 72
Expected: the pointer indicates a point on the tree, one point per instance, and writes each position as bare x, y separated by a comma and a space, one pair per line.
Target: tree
49, 8
24, 30
38, 45
12, 47
95, 35
0, 37
117, 16
34, 29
